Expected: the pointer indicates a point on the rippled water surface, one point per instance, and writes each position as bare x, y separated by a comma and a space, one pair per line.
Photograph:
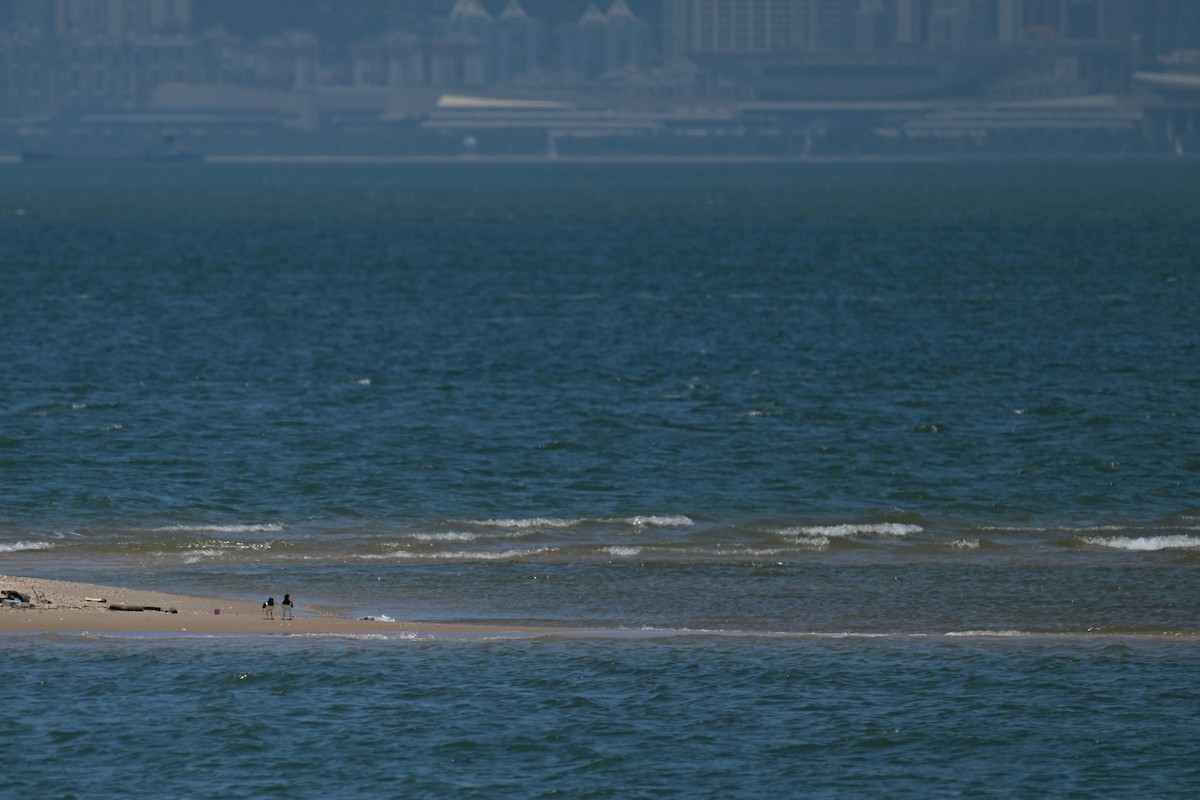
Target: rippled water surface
871, 480
835, 718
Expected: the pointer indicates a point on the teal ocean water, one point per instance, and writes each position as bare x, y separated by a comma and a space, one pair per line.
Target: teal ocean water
860, 479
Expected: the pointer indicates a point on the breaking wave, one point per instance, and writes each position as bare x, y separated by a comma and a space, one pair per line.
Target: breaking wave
17, 547
1145, 544
266, 527
884, 529
636, 521
677, 521
462, 555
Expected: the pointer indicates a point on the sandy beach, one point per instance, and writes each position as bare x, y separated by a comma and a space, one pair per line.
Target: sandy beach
63, 606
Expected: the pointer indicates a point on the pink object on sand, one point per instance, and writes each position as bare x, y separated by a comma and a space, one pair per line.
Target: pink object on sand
217, 611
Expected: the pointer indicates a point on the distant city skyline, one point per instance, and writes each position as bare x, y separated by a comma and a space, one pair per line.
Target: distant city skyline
680, 26
630, 68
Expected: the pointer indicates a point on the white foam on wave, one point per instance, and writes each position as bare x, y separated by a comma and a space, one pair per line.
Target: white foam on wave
897, 529
845, 635
758, 553
224, 546
17, 547
196, 556
453, 536
659, 521
388, 636
531, 522
637, 521
815, 542
265, 527
964, 544
222, 550
734, 633
799, 541
890, 529
622, 552
1145, 544
802, 540
463, 555
1050, 528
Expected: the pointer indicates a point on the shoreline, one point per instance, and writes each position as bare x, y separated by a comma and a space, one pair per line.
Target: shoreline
636, 159
64, 606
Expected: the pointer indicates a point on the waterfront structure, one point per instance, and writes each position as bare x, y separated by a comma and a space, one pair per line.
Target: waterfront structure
71, 64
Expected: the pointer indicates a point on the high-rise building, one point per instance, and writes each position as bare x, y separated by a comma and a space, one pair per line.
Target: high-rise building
1083, 20
748, 27
120, 19
959, 23
908, 23
1009, 22
96, 19
468, 19
459, 54
27, 16
726, 26
1120, 18
602, 43
516, 43
584, 45
628, 37
823, 24
1109, 21
394, 59
1164, 27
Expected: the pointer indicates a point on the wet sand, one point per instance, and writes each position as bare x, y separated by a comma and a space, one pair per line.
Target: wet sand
61, 606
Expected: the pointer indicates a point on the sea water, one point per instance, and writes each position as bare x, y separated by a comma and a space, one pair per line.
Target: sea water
852, 479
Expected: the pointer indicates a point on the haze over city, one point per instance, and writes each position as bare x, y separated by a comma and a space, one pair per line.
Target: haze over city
649, 78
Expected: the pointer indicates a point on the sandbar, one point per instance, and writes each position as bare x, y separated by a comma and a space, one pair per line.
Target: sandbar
65, 606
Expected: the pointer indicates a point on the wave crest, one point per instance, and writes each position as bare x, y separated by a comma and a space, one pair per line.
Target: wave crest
659, 521
264, 527
1145, 544
17, 547
890, 529
531, 522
